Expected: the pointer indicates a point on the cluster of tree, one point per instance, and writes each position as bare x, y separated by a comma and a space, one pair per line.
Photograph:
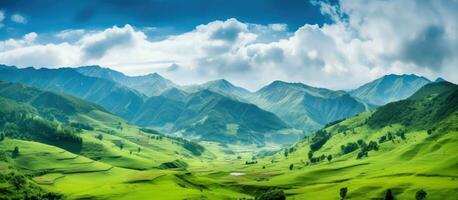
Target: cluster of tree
319, 158
193, 147
319, 139
21, 188
333, 123
419, 195
251, 162
80, 126
275, 194
29, 127
365, 148
15, 152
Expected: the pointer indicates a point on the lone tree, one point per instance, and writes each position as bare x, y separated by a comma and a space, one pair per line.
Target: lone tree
343, 192
99, 136
2, 137
15, 153
389, 195
291, 167
329, 158
121, 146
420, 195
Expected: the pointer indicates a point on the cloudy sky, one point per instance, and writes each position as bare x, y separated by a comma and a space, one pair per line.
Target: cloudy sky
333, 44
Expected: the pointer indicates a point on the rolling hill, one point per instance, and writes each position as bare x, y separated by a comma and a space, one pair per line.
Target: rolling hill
389, 88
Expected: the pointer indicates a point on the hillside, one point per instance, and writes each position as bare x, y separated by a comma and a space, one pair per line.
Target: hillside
116, 98
403, 147
304, 107
150, 85
389, 88
220, 86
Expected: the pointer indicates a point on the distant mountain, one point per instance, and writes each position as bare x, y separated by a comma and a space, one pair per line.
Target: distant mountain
114, 97
389, 88
220, 86
439, 79
304, 107
150, 85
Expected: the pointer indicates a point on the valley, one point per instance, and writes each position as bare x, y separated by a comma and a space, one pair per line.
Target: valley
217, 141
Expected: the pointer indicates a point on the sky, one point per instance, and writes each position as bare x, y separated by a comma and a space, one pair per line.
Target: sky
333, 44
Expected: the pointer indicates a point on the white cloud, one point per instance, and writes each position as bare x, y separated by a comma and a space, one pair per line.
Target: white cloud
367, 39
18, 19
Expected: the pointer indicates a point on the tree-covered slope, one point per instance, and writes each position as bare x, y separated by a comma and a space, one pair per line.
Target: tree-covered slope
389, 88
304, 107
403, 147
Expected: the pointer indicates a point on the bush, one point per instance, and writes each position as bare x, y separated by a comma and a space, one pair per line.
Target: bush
329, 158
361, 154
272, 195
389, 195
349, 147
420, 195
15, 153
291, 166
319, 139
343, 192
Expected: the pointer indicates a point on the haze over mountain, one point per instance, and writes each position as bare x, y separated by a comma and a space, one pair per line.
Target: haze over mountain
389, 88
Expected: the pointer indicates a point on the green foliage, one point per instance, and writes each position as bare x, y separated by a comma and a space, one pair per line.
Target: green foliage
272, 195
319, 139
349, 147
343, 193
291, 166
420, 195
15, 152
22, 188
329, 158
389, 195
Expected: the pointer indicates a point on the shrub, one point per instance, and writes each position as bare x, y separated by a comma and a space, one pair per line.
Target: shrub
389, 195
272, 195
349, 147
329, 158
343, 192
361, 154
291, 166
420, 195
15, 153
319, 139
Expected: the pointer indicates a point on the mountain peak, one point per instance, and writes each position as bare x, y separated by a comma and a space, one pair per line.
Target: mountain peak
440, 79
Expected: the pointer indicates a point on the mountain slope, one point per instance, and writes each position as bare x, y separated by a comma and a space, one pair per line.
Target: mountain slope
150, 85
306, 107
114, 97
389, 88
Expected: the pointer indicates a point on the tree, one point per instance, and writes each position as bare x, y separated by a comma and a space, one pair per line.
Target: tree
121, 146
291, 166
361, 154
139, 149
389, 195
343, 192
286, 153
99, 136
272, 195
15, 153
329, 158
420, 195
2, 137
310, 155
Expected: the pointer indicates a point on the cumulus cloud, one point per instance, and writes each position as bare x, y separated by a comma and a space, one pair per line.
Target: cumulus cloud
367, 39
18, 19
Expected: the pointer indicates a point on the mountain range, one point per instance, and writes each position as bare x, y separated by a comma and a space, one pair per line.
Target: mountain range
217, 110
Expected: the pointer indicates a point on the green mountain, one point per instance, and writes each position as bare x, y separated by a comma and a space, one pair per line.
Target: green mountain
304, 107
116, 98
389, 88
215, 117
221, 86
150, 85
211, 116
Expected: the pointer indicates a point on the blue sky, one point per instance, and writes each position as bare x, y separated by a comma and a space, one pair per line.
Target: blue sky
333, 44
167, 16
